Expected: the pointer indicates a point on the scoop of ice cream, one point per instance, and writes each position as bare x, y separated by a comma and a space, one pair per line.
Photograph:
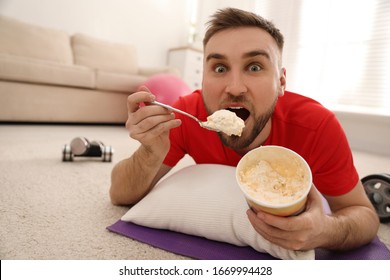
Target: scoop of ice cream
276, 185
226, 121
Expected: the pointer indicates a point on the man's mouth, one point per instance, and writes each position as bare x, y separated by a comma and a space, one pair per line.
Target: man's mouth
241, 112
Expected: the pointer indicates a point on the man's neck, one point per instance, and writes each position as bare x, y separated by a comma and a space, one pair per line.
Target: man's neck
259, 140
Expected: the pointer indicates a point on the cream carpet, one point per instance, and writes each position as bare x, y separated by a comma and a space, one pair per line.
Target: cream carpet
51, 209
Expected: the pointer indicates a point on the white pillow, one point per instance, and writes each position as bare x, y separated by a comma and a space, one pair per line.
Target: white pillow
205, 200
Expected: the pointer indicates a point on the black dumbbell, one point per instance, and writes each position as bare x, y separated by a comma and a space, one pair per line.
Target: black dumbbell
377, 187
81, 147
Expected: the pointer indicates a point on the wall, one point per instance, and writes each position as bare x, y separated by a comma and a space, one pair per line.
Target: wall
208, 7
153, 26
367, 132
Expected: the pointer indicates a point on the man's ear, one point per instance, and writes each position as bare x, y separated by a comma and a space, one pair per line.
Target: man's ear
282, 81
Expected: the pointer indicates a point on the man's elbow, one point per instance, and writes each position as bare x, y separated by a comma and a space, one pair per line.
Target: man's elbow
115, 200
123, 199
376, 223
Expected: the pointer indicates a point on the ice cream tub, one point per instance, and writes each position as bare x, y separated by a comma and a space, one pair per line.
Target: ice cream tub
275, 180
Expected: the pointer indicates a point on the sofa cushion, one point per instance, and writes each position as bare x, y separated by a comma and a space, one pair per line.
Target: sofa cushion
118, 81
46, 103
104, 55
19, 38
151, 71
18, 68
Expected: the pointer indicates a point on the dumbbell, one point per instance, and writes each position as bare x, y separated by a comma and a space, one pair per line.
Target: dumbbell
82, 147
377, 187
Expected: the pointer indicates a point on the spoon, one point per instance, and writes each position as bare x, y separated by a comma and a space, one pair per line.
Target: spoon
202, 124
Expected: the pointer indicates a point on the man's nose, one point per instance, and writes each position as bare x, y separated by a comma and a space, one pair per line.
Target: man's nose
236, 84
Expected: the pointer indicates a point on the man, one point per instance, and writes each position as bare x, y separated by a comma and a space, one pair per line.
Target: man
243, 72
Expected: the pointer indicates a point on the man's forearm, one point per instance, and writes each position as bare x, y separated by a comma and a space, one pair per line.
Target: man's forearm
132, 178
350, 228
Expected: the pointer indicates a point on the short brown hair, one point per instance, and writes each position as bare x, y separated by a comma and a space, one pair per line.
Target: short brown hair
233, 18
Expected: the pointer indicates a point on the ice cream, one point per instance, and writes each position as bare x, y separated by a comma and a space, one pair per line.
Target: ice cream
278, 184
275, 180
225, 121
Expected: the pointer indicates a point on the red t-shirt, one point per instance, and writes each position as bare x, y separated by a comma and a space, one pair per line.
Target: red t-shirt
298, 123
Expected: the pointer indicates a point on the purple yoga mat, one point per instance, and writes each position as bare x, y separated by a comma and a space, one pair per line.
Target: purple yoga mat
205, 249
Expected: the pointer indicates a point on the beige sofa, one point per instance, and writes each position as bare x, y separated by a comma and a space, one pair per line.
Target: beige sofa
47, 75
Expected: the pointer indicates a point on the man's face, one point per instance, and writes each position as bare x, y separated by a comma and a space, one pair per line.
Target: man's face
242, 72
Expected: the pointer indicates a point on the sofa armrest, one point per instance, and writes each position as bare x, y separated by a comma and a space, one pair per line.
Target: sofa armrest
150, 71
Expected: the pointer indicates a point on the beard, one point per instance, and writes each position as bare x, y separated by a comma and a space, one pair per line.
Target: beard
240, 142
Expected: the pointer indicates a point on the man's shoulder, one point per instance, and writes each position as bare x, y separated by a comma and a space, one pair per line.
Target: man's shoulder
291, 98
191, 103
303, 111
188, 99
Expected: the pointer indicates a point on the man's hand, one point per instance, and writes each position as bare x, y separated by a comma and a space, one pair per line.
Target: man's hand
352, 223
300, 232
149, 125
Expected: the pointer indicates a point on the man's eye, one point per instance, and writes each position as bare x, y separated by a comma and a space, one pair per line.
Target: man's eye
254, 68
220, 69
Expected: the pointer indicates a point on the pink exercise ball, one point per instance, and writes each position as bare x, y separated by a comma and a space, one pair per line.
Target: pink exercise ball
167, 87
